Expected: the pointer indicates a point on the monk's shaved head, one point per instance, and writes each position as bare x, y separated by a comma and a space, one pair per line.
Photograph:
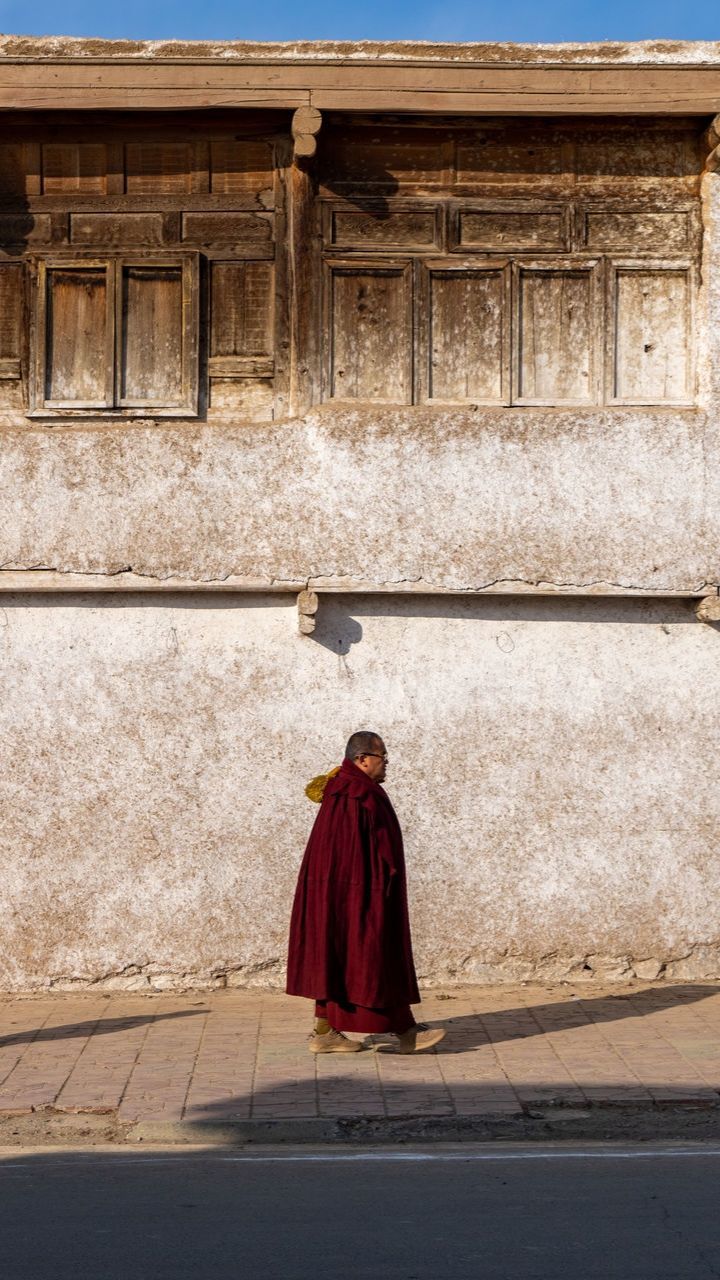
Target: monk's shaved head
362, 742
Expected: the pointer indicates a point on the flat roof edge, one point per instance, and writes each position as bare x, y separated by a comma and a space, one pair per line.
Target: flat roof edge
663, 53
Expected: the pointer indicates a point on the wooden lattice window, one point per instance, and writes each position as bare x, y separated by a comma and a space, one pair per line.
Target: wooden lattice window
531, 263
115, 336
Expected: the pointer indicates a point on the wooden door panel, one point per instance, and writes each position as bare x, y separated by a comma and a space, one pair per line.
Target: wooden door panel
556, 322
371, 348
467, 314
651, 319
151, 335
507, 229
76, 336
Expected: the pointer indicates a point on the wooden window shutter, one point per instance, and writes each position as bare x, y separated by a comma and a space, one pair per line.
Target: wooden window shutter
156, 335
465, 334
370, 326
556, 306
73, 365
116, 336
650, 333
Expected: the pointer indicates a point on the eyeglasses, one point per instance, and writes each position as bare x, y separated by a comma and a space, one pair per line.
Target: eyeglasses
377, 755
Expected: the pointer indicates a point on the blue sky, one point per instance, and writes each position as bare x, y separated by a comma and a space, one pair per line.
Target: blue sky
546, 20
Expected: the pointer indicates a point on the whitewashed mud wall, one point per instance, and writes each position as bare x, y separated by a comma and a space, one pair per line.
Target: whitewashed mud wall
554, 764
626, 499
554, 761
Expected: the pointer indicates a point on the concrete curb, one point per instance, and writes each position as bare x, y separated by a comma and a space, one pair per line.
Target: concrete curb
598, 1123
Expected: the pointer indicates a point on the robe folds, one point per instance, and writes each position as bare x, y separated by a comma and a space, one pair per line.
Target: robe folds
350, 931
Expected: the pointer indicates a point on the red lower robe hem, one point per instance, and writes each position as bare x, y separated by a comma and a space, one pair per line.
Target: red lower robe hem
354, 1017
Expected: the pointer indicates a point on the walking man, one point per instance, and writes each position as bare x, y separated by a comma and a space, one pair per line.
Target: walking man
350, 949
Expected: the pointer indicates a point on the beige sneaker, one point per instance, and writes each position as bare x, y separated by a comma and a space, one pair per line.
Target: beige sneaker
333, 1042
415, 1040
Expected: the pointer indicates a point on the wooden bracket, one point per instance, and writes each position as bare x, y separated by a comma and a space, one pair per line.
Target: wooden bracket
306, 124
307, 607
712, 137
708, 609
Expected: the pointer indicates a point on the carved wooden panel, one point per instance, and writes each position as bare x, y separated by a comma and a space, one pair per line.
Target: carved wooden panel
651, 327
75, 363
555, 313
382, 228
227, 228
534, 157
637, 230
462, 261
465, 333
370, 325
511, 227
154, 168
75, 166
241, 302
113, 230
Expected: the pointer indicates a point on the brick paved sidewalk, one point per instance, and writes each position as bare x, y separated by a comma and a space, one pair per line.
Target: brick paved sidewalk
241, 1056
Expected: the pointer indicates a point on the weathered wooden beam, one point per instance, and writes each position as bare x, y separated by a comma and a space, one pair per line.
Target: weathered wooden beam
415, 85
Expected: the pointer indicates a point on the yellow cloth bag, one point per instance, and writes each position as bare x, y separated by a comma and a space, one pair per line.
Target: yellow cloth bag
315, 789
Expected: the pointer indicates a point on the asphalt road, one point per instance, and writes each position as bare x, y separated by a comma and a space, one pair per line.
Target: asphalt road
495, 1212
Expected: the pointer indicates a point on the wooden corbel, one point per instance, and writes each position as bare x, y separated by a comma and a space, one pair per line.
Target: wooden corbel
305, 127
307, 607
712, 137
708, 609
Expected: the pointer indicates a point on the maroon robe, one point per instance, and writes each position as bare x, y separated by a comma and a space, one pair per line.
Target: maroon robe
350, 932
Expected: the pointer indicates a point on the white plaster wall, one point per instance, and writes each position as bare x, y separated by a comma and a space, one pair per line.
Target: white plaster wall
452, 499
553, 762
